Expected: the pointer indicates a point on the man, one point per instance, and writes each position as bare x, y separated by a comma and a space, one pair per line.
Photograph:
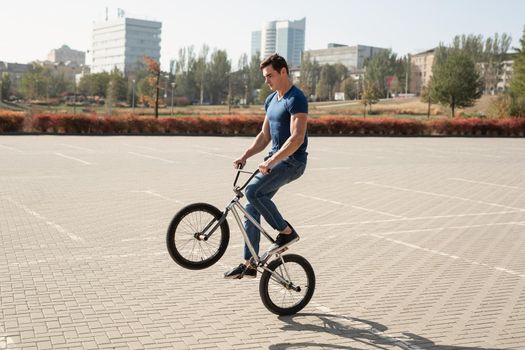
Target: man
285, 126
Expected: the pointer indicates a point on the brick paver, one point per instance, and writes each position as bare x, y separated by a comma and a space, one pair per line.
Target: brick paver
417, 243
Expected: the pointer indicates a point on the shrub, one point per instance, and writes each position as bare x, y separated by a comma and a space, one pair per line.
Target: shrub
11, 121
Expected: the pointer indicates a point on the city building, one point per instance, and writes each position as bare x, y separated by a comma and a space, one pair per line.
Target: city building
256, 43
284, 37
421, 70
15, 71
123, 42
353, 57
505, 76
65, 54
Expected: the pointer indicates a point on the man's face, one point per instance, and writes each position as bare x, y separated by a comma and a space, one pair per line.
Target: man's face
272, 77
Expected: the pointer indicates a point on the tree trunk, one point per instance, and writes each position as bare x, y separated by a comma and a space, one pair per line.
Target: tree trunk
453, 106
157, 90
428, 112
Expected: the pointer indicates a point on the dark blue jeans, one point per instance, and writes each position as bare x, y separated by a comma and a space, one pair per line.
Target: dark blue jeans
259, 193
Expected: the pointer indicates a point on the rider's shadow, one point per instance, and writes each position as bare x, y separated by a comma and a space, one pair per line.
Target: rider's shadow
363, 332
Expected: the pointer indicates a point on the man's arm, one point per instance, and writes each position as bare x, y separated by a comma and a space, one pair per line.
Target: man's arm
298, 125
259, 144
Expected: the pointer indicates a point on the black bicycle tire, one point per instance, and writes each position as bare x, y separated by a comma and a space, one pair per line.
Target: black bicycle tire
172, 230
265, 279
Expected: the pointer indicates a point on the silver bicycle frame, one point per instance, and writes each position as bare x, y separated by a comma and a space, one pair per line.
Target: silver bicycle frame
235, 207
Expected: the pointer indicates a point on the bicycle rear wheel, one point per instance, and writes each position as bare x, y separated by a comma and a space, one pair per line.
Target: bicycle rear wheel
184, 244
288, 288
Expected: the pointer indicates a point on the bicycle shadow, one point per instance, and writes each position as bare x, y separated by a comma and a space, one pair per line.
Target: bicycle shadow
369, 333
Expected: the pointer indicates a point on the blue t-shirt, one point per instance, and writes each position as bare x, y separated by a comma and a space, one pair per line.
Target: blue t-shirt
279, 113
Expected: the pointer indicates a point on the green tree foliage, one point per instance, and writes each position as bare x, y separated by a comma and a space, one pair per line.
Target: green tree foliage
95, 84
5, 85
217, 73
517, 85
455, 80
371, 95
310, 75
35, 82
378, 67
349, 87
118, 85
488, 54
264, 91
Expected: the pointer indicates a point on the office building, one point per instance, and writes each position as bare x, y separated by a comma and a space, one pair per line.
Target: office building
65, 54
353, 57
123, 42
284, 37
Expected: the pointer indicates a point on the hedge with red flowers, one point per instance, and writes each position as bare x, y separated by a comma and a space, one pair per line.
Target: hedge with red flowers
250, 125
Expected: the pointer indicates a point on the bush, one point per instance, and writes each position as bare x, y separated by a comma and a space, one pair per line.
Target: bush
251, 125
11, 121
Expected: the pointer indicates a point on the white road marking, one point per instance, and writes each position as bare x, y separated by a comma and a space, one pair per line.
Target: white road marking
48, 222
151, 157
11, 148
77, 147
154, 194
436, 252
409, 219
437, 195
486, 183
216, 154
72, 158
347, 205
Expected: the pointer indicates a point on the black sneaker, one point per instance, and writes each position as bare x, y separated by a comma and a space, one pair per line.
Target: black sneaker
240, 272
283, 241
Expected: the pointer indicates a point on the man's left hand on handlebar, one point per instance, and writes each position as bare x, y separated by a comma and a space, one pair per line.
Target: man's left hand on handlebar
265, 167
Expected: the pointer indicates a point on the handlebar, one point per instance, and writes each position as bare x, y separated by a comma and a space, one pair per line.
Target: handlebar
239, 171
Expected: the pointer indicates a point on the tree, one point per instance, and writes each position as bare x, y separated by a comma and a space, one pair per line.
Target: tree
35, 82
455, 81
325, 86
487, 53
378, 67
255, 78
5, 87
349, 87
153, 67
218, 72
119, 85
310, 75
201, 69
264, 91
370, 96
517, 84
95, 84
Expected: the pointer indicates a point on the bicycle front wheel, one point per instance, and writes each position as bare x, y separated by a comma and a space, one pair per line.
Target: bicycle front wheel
183, 238
286, 288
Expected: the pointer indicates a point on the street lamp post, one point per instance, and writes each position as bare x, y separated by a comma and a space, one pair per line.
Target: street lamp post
133, 97
172, 89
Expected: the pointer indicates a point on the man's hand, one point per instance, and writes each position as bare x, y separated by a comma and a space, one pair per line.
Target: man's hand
239, 163
266, 166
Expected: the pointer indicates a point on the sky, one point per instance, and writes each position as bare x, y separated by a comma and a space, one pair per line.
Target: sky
30, 30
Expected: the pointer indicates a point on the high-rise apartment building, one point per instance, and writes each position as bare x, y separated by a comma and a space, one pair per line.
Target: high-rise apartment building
123, 43
283, 37
67, 55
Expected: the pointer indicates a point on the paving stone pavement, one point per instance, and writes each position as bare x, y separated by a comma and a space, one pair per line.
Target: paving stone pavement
417, 243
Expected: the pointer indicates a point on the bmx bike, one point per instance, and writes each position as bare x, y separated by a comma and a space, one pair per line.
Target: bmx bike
198, 236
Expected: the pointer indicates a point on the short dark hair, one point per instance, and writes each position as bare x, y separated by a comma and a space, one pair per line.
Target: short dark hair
276, 61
